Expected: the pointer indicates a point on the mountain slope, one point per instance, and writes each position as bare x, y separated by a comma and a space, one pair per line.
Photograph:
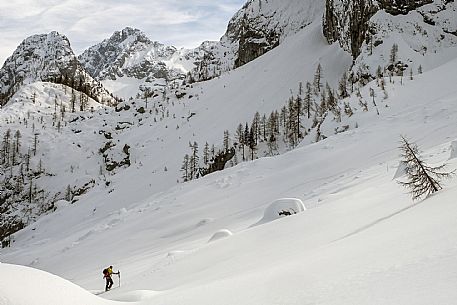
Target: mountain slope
361, 239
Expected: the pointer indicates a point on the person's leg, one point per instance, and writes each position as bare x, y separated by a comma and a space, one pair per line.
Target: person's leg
110, 283
107, 284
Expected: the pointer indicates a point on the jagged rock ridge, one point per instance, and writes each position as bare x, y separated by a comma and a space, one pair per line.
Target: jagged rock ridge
130, 53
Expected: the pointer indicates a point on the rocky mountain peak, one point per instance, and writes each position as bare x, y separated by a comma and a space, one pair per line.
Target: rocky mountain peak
38, 57
48, 58
127, 53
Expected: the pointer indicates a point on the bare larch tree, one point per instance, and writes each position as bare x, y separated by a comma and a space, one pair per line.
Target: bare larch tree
422, 178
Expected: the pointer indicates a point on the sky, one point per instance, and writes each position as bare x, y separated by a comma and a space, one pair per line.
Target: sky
182, 23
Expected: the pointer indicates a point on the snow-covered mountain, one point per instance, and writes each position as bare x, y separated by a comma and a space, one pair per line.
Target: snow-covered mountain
129, 53
129, 56
286, 118
47, 57
361, 240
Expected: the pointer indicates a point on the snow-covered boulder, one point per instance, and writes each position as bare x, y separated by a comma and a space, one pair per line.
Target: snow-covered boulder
220, 235
282, 207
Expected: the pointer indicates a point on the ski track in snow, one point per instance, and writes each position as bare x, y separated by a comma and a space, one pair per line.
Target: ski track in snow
376, 222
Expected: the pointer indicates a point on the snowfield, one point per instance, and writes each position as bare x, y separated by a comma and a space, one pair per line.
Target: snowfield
354, 236
360, 241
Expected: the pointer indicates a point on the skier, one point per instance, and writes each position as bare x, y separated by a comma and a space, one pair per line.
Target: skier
107, 275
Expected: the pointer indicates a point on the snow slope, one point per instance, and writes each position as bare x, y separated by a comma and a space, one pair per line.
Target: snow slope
360, 241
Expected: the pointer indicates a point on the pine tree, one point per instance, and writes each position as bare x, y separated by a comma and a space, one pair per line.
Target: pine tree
423, 179
308, 99
185, 168
263, 127
17, 137
194, 160
226, 140
68, 194
394, 53
206, 152
35, 143
240, 138
73, 100
342, 87
252, 144
318, 79
256, 127
246, 135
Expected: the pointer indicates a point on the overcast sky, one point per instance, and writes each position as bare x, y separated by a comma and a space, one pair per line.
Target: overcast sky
182, 23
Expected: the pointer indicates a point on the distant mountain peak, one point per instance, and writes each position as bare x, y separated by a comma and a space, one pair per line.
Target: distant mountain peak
127, 53
46, 57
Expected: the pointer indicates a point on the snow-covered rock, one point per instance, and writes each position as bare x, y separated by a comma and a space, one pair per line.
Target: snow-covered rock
281, 208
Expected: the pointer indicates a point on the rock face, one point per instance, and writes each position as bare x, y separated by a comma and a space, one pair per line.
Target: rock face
347, 22
403, 7
47, 57
260, 26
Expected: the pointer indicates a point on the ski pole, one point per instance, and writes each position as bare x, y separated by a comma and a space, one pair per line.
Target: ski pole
119, 275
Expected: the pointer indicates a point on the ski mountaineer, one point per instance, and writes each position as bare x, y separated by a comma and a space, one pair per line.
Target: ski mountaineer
107, 275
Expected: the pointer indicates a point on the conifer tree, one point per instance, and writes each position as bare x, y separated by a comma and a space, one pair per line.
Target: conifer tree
194, 159
18, 137
308, 99
252, 144
318, 79
263, 127
73, 100
423, 179
394, 53
68, 194
342, 87
206, 152
240, 138
226, 140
